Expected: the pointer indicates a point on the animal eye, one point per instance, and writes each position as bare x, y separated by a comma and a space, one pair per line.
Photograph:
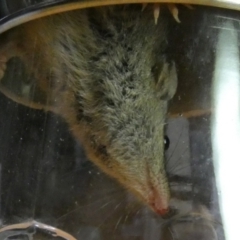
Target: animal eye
166, 142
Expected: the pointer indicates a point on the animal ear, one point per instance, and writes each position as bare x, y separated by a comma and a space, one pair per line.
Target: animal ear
167, 81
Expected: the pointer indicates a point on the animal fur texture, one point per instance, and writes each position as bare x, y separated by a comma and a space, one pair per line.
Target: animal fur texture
109, 74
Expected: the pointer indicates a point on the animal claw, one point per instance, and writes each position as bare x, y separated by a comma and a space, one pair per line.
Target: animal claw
156, 12
174, 11
172, 8
189, 6
144, 5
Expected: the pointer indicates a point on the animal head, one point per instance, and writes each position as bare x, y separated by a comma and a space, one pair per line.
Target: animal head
122, 104
112, 79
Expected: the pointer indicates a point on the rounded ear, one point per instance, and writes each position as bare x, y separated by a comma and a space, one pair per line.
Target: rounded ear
167, 81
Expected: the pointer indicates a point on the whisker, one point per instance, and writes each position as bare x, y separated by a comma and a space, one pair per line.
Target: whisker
118, 222
84, 206
179, 159
170, 157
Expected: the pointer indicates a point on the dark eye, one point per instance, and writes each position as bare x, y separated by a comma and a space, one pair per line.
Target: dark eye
166, 143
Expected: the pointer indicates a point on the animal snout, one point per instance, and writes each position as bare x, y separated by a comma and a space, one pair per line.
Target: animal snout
165, 213
160, 204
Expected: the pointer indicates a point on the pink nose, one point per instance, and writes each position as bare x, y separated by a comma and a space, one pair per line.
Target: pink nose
160, 203
160, 210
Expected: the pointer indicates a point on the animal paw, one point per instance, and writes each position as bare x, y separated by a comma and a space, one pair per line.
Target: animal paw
3, 66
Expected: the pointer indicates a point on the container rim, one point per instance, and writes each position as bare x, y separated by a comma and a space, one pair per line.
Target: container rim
43, 9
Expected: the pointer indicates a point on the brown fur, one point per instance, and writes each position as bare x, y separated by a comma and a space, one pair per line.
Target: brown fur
109, 76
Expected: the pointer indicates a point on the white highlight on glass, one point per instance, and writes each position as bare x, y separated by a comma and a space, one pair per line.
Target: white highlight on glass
226, 128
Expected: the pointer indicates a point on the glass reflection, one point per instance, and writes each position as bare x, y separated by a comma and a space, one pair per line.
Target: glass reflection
226, 126
46, 176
